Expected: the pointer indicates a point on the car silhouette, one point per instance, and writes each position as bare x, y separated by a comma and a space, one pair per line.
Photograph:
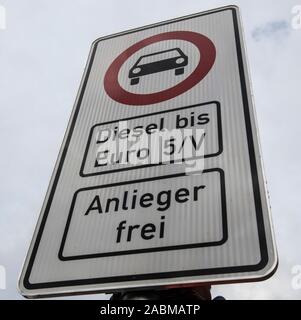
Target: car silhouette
158, 62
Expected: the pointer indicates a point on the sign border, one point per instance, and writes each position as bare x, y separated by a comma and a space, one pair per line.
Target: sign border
25, 275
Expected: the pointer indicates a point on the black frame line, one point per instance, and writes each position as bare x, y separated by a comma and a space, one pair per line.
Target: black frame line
154, 249
173, 274
219, 137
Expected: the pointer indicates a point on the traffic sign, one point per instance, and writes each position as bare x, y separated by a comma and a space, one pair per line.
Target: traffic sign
159, 181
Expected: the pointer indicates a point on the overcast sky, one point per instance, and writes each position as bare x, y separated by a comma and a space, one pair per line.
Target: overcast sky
43, 51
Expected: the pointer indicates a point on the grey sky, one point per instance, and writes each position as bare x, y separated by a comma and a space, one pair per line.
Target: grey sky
42, 56
271, 29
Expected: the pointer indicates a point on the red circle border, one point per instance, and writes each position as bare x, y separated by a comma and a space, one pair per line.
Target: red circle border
207, 58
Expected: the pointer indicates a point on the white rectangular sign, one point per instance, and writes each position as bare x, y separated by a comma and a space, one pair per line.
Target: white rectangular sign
159, 180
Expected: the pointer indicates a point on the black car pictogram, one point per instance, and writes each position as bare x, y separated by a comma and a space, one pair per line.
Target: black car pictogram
158, 62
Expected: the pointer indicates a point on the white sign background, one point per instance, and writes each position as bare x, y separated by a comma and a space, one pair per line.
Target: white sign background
248, 252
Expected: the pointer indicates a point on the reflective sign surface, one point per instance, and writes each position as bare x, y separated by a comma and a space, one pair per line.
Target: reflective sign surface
157, 214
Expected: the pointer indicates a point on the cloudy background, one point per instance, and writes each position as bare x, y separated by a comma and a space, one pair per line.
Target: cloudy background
43, 51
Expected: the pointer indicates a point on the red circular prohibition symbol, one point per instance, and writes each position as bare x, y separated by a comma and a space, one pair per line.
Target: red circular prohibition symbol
207, 58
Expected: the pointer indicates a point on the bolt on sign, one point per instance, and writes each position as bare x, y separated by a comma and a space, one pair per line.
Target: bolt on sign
159, 181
